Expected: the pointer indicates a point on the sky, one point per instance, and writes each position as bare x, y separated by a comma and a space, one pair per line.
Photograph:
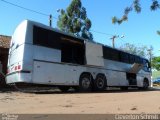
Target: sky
140, 29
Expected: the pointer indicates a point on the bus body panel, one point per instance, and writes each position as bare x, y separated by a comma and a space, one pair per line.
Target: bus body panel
117, 66
19, 77
116, 78
20, 56
139, 80
68, 74
56, 73
16, 51
140, 77
16, 55
46, 54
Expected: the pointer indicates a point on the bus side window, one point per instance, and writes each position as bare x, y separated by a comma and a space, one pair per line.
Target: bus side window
72, 50
138, 60
46, 38
124, 57
111, 54
131, 59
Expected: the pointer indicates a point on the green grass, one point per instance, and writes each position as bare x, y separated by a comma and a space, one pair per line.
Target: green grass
155, 74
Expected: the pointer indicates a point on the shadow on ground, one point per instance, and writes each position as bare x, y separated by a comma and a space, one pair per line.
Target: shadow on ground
72, 91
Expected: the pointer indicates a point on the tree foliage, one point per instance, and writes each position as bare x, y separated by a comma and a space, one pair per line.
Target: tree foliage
137, 50
74, 20
158, 32
136, 6
156, 63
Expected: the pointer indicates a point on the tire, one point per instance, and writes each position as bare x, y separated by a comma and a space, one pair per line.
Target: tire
85, 83
145, 84
100, 83
64, 88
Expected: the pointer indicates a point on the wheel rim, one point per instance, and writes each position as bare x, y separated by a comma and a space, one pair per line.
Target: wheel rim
100, 83
85, 83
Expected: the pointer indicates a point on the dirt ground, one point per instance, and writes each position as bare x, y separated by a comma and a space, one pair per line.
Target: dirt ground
107, 102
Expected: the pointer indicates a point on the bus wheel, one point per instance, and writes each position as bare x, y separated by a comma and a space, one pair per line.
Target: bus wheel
145, 84
64, 88
100, 83
85, 83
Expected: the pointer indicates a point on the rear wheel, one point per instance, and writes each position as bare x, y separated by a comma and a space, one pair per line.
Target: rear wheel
85, 83
100, 83
145, 84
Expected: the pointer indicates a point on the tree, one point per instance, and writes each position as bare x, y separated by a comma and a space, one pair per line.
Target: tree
74, 20
137, 50
136, 6
156, 63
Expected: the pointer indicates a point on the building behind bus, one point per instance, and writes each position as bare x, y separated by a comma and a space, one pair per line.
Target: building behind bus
4, 48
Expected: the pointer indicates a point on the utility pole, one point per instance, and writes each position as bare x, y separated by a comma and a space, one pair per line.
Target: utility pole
50, 20
113, 39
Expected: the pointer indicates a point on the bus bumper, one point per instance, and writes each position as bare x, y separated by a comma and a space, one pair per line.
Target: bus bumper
19, 76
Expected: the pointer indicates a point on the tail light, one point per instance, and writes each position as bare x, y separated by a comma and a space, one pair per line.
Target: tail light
14, 68
17, 67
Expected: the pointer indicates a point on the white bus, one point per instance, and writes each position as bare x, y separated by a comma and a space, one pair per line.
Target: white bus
41, 55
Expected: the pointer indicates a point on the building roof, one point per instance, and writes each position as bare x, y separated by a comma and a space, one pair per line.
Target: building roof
5, 41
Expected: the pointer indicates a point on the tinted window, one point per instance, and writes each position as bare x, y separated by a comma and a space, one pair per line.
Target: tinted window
46, 38
111, 54
124, 57
72, 49
73, 53
138, 60
131, 59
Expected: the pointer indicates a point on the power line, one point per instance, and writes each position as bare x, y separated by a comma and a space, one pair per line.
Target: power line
102, 33
25, 8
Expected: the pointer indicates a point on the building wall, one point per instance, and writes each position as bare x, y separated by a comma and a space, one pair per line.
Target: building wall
4, 49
